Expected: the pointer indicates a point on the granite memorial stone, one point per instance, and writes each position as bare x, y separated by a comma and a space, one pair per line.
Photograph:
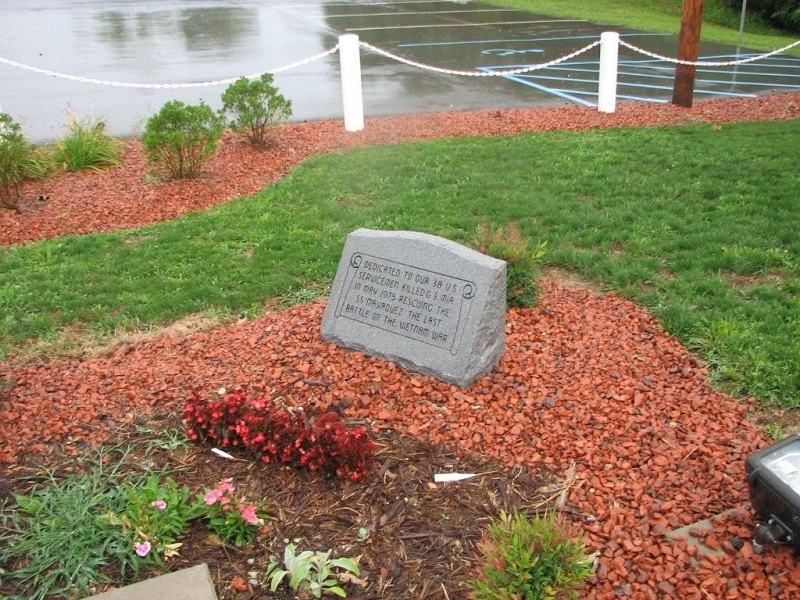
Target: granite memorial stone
427, 303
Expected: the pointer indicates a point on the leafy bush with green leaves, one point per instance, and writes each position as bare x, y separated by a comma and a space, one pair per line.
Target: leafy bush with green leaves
255, 108
784, 14
40, 163
526, 558
53, 540
156, 515
180, 138
522, 262
231, 516
310, 573
14, 154
86, 146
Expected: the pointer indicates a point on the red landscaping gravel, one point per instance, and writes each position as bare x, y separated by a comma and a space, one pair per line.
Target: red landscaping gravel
126, 197
586, 378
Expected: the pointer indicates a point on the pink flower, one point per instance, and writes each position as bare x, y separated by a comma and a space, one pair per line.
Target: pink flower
142, 548
249, 515
218, 494
158, 504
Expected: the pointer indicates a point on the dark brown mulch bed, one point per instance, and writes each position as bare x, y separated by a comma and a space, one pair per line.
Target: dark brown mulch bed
421, 535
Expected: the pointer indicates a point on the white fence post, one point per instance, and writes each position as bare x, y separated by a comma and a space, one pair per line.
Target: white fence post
352, 99
607, 87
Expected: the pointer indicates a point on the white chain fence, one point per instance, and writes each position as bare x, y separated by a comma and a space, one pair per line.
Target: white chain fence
701, 63
473, 73
349, 46
400, 59
167, 86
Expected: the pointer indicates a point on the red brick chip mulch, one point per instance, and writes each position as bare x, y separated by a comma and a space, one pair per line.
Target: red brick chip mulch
586, 378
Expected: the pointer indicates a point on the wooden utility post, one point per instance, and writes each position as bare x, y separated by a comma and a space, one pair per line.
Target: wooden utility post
688, 49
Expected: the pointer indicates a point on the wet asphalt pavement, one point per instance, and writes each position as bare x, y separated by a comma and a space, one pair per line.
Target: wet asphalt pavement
157, 42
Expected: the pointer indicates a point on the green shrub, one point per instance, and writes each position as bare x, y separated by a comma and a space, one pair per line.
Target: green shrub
784, 14
157, 514
310, 573
255, 108
523, 264
530, 559
181, 138
52, 541
14, 154
86, 146
40, 164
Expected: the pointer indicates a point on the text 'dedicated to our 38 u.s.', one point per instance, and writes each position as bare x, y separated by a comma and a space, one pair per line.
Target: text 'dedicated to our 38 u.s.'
430, 304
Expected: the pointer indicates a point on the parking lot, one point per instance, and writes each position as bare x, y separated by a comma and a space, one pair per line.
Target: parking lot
150, 42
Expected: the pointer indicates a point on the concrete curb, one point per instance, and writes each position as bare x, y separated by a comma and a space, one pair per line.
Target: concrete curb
193, 583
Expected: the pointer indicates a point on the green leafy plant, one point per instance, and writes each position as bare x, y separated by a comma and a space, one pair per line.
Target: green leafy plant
14, 153
40, 163
54, 541
321, 443
180, 138
774, 431
156, 515
523, 263
530, 559
784, 14
310, 573
86, 146
230, 516
255, 108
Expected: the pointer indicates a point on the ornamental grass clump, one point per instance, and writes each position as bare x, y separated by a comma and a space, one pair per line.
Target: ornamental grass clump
86, 146
526, 558
522, 261
180, 138
54, 541
273, 433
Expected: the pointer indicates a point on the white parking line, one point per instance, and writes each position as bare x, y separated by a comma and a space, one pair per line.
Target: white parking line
316, 4
403, 14
463, 25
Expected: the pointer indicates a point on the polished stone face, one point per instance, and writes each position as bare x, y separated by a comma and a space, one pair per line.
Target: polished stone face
427, 303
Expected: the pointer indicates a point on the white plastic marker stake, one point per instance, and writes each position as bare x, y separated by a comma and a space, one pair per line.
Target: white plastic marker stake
449, 477
222, 453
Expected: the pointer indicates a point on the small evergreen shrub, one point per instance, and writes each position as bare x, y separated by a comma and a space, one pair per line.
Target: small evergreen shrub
86, 146
180, 138
255, 108
14, 154
523, 263
530, 559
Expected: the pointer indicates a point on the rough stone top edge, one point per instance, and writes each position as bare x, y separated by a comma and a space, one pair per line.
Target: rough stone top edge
433, 240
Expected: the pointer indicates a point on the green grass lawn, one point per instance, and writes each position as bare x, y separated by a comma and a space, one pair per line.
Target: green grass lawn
720, 23
697, 223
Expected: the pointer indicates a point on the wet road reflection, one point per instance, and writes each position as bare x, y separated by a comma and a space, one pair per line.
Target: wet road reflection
151, 41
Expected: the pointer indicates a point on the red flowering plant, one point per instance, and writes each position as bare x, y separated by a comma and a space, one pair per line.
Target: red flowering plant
333, 449
273, 433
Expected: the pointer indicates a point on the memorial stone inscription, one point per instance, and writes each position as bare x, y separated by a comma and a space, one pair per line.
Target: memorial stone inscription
430, 304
